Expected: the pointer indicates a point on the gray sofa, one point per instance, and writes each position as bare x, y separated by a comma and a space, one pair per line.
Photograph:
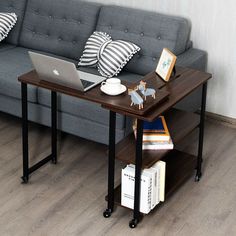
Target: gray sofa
61, 28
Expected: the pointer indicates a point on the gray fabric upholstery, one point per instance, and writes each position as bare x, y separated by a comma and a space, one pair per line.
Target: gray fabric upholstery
18, 7
124, 76
84, 109
193, 58
80, 108
5, 46
150, 31
13, 63
60, 27
192, 102
68, 123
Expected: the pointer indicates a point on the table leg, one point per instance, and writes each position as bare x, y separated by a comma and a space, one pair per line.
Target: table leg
111, 164
54, 126
25, 128
201, 133
138, 166
25, 133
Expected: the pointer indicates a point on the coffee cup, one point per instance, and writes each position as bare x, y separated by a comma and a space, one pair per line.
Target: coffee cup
112, 84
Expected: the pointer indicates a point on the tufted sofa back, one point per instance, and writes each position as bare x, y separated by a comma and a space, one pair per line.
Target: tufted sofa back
18, 7
61, 27
151, 31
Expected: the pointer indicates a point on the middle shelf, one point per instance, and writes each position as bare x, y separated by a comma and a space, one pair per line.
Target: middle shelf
180, 124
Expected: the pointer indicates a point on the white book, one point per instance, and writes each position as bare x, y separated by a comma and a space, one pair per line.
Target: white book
161, 166
153, 175
162, 145
152, 172
147, 137
144, 190
156, 192
127, 190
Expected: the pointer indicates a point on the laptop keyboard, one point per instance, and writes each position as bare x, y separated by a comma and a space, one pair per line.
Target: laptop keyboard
86, 83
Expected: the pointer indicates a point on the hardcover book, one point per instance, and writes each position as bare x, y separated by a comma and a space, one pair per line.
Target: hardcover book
159, 145
156, 131
152, 186
127, 190
160, 167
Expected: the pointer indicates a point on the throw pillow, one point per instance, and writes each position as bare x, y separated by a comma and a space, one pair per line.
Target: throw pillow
109, 56
7, 21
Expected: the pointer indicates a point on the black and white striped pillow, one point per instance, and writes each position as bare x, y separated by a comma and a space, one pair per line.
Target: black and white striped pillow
7, 21
109, 56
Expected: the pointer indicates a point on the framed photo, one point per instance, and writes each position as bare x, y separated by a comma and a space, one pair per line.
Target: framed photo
166, 64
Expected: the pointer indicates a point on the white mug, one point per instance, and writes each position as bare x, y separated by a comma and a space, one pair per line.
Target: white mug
112, 84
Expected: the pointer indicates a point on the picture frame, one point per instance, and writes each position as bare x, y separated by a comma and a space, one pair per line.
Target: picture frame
166, 64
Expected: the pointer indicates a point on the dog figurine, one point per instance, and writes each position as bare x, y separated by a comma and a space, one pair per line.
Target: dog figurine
136, 99
146, 91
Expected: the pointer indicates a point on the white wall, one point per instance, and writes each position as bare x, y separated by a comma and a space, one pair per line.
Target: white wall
213, 30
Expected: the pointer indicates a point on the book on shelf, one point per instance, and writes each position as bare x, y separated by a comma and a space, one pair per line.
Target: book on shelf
158, 145
160, 166
152, 186
152, 173
156, 131
127, 190
156, 135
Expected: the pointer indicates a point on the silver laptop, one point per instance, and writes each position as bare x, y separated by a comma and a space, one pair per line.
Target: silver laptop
63, 72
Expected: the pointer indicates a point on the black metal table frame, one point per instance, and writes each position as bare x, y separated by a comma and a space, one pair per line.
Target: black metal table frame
112, 145
25, 133
138, 161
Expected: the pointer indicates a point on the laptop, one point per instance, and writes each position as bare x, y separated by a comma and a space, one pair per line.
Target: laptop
62, 72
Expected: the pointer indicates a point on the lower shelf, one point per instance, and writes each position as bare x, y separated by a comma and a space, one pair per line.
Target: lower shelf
179, 167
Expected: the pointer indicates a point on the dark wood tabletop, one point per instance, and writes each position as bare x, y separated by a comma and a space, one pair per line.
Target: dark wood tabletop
168, 94
185, 82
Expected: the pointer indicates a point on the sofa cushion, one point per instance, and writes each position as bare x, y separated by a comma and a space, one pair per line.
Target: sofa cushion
109, 56
7, 22
13, 63
60, 27
18, 7
84, 109
150, 31
6, 46
124, 76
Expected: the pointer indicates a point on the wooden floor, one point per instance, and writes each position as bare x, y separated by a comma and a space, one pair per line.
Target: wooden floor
68, 199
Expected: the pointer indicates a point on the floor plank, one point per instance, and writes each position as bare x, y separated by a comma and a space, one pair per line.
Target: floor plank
68, 199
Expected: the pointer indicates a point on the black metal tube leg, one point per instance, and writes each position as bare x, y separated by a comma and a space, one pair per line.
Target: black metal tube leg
138, 166
111, 164
25, 144
201, 133
54, 126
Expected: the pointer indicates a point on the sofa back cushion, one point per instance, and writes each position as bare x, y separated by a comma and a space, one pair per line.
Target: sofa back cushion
61, 27
18, 7
150, 31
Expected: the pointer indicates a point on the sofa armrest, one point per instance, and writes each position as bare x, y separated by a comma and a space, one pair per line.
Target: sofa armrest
193, 58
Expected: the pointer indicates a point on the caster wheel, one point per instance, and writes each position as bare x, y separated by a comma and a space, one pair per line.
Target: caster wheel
198, 177
107, 213
133, 223
24, 180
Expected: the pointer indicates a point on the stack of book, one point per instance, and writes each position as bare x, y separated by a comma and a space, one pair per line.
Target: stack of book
156, 135
152, 186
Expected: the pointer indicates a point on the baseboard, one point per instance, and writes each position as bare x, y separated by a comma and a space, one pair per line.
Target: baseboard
222, 119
